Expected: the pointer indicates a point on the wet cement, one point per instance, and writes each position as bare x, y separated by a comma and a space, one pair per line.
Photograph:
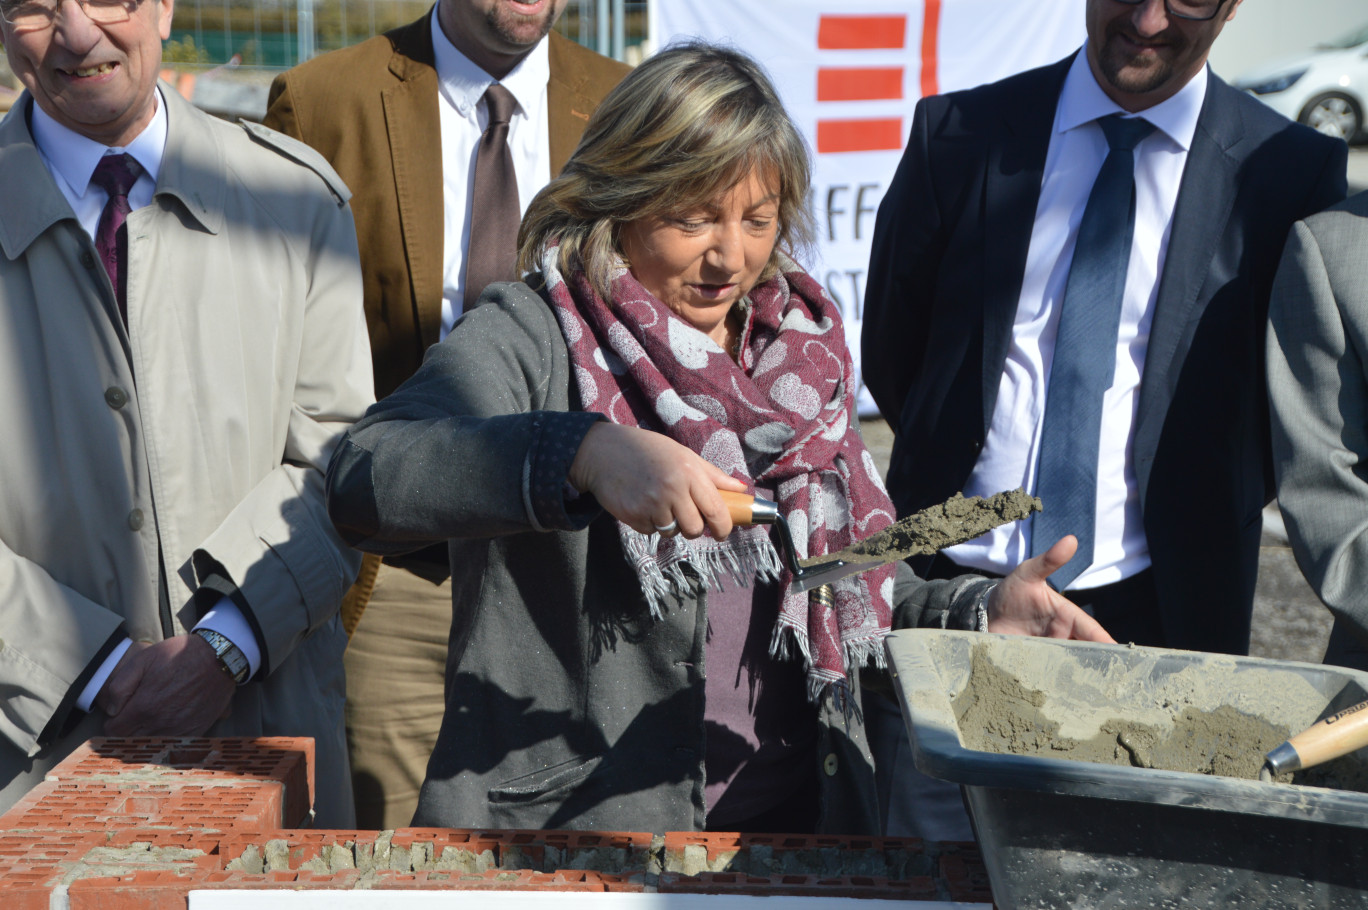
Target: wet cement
998, 713
932, 529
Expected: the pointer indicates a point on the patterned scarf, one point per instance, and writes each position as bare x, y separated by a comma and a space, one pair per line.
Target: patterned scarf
783, 416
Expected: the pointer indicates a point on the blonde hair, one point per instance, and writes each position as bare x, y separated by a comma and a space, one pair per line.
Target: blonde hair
682, 129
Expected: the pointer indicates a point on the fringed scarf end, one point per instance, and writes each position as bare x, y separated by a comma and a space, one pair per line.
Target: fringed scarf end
786, 641
865, 651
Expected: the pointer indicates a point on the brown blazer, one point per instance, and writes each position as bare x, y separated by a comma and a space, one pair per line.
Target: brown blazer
371, 110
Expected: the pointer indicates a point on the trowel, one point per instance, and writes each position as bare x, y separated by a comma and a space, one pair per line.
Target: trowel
1331, 737
906, 537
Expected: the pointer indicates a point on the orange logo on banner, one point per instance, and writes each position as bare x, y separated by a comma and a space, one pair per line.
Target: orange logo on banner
860, 83
860, 33
930, 32
873, 83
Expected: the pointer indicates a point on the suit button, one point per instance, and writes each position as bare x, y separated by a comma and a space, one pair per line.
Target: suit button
115, 397
829, 764
975, 446
135, 519
87, 259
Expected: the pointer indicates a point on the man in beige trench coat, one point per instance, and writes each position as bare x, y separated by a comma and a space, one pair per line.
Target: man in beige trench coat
166, 564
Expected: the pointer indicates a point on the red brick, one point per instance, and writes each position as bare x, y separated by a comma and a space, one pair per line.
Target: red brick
683, 849
190, 839
858, 886
258, 784
159, 890
548, 851
965, 876
27, 897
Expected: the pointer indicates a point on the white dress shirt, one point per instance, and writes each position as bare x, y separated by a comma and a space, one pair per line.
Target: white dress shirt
71, 160
463, 117
1011, 453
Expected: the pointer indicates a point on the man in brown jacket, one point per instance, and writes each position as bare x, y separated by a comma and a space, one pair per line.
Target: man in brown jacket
401, 117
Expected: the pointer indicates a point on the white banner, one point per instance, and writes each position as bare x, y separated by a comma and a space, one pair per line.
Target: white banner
850, 75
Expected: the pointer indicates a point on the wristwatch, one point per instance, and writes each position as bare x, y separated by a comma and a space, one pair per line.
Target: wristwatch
230, 657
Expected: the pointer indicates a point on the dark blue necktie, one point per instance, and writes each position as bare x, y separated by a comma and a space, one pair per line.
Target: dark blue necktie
1085, 353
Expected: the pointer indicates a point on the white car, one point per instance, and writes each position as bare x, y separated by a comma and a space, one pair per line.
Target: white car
1325, 88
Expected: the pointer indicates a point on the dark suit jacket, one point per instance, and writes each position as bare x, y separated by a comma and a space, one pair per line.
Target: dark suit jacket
371, 110
948, 256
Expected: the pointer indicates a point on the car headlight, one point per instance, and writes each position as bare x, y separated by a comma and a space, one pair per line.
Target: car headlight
1276, 84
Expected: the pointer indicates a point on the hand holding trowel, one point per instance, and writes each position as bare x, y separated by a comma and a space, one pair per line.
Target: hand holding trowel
953, 521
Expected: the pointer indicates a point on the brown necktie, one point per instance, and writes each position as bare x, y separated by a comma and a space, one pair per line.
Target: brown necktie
115, 174
494, 209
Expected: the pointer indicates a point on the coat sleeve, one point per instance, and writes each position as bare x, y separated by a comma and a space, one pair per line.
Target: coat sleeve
902, 276
951, 603
477, 443
276, 554
52, 638
1318, 391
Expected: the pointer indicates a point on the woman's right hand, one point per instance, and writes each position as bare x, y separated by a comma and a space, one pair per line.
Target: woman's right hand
646, 480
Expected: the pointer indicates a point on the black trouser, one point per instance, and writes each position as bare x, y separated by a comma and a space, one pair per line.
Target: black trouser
1127, 609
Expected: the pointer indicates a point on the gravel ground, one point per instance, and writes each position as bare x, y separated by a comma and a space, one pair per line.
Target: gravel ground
1289, 621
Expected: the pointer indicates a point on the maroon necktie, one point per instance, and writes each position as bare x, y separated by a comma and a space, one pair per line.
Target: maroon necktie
115, 174
494, 209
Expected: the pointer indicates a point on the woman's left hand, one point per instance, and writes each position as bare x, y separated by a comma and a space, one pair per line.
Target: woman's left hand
1024, 604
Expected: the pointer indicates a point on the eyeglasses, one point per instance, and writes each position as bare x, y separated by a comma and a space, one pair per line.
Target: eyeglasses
1194, 10
36, 15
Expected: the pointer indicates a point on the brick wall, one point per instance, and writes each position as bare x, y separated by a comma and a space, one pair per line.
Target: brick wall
139, 823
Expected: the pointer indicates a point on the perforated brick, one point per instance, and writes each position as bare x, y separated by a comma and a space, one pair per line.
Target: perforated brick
691, 853
860, 886
965, 876
139, 823
600, 851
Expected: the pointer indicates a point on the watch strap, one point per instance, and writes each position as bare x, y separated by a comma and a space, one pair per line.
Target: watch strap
230, 657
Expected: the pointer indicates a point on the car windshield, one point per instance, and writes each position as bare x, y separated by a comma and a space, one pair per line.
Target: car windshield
1343, 42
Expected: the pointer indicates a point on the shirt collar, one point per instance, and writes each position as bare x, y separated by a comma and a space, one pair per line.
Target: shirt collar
1083, 101
464, 83
75, 156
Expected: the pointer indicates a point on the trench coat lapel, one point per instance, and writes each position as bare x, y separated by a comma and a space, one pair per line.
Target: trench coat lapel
32, 203
413, 126
192, 166
1206, 197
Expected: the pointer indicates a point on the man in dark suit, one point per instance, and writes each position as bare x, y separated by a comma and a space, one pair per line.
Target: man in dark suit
971, 259
402, 117
1160, 463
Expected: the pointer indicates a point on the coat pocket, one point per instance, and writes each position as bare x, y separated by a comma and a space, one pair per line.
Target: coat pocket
547, 785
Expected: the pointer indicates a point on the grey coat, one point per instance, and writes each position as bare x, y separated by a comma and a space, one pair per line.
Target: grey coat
1318, 387
147, 471
567, 705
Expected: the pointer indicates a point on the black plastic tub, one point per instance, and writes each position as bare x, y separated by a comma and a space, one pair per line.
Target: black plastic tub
1057, 832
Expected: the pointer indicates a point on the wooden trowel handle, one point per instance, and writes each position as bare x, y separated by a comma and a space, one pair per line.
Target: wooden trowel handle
747, 510
1339, 734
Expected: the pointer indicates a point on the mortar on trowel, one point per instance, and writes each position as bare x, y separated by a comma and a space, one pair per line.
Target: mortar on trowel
954, 521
